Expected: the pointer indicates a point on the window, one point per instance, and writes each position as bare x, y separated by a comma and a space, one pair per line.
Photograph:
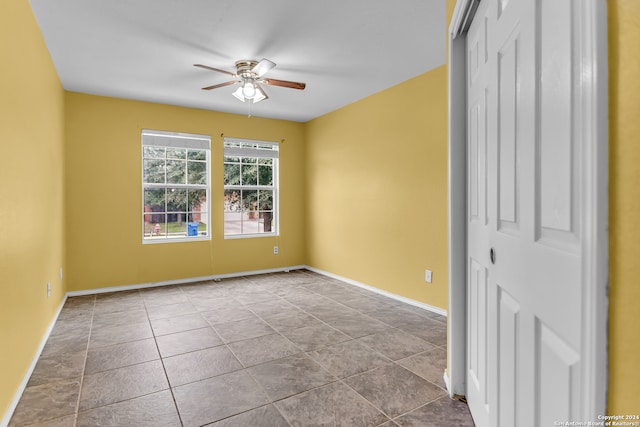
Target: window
250, 188
175, 186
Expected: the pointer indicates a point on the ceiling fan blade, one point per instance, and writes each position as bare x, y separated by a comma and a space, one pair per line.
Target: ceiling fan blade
284, 83
220, 85
263, 67
206, 67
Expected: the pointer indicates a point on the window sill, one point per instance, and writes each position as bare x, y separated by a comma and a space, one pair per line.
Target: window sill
249, 236
152, 241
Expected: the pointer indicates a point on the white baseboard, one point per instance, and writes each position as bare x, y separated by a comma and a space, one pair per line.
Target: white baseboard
182, 281
4, 422
447, 383
405, 300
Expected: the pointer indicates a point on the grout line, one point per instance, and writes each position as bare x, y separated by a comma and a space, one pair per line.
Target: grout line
419, 407
249, 410
364, 398
284, 416
164, 369
236, 357
84, 365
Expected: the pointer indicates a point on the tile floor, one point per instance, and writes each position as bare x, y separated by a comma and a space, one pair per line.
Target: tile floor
287, 349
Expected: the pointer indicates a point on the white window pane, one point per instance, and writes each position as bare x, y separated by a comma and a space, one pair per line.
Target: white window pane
232, 201
232, 227
154, 199
250, 200
176, 153
154, 152
155, 225
197, 173
153, 171
176, 172
197, 155
176, 200
265, 175
196, 200
231, 174
249, 174
176, 225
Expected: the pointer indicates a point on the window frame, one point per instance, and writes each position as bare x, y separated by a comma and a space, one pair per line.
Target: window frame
188, 141
258, 153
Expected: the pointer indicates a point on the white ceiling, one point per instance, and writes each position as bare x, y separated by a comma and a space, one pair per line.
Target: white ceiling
344, 50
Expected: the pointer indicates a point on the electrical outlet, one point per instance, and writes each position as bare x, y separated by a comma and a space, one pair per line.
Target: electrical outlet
275, 250
48, 289
60, 273
428, 276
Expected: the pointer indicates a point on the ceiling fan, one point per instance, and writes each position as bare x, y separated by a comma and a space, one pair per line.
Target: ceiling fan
249, 74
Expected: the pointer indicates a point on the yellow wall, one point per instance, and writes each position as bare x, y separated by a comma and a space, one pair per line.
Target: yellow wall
377, 190
31, 193
624, 206
104, 208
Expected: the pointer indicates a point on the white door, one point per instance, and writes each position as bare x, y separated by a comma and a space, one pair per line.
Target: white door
523, 238
478, 83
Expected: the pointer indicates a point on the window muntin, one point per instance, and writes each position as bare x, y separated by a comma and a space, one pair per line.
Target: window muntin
175, 186
250, 188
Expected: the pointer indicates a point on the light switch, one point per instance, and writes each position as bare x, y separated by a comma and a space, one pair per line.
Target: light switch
428, 276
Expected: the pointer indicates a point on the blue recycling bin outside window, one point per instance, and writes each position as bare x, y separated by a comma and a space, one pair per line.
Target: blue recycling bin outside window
192, 229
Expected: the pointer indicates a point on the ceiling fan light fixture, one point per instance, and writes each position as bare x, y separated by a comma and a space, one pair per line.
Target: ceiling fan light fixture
259, 96
248, 90
238, 94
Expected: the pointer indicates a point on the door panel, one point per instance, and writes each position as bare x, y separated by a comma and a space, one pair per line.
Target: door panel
478, 161
508, 68
559, 381
558, 175
524, 311
508, 326
478, 323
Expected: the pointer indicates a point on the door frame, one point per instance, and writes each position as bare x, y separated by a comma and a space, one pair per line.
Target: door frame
592, 21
